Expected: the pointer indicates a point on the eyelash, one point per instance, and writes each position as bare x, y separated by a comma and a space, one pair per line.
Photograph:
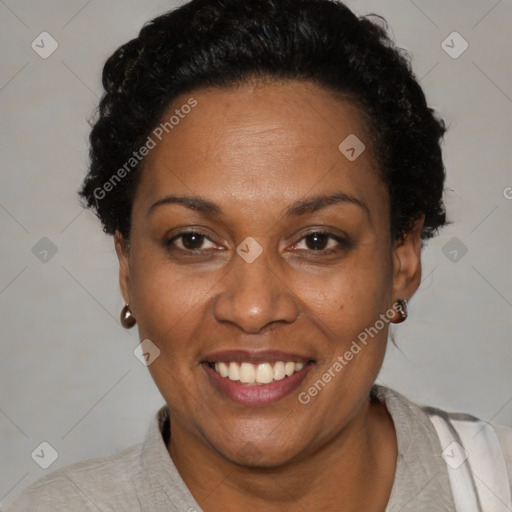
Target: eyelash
344, 244
169, 244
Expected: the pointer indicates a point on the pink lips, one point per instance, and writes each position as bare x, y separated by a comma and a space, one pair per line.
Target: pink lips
255, 395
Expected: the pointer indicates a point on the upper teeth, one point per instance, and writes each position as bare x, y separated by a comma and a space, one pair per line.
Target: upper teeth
262, 373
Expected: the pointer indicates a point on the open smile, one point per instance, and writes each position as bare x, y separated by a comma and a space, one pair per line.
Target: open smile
256, 378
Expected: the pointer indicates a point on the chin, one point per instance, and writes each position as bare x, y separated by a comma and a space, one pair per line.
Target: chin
267, 452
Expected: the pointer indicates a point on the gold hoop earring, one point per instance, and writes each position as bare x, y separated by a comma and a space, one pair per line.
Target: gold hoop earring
127, 319
400, 307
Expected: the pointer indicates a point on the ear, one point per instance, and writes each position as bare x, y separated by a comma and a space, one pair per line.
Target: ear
407, 262
124, 266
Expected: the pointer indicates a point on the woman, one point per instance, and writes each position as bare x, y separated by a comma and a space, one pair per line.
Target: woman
269, 170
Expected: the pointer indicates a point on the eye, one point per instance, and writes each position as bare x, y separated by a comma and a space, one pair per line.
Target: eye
320, 241
191, 241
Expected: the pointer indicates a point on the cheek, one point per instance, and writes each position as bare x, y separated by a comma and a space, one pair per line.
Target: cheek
351, 298
168, 302
170, 309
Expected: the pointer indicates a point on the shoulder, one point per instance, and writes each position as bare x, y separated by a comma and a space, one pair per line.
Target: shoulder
476, 455
404, 409
458, 423
504, 434
505, 438
473, 432
89, 485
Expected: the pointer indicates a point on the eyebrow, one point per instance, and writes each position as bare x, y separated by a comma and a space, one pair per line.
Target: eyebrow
303, 207
316, 203
192, 203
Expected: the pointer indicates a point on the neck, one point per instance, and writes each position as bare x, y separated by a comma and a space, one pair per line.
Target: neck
356, 468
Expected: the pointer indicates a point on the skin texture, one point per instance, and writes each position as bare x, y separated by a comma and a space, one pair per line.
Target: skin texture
255, 151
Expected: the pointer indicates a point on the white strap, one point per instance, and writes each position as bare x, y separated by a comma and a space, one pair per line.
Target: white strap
476, 466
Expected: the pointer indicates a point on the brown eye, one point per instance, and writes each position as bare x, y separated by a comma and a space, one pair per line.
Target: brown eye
190, 241
322, 243
317, 241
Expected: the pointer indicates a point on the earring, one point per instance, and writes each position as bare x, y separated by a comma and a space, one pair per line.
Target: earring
400, 306
127, 319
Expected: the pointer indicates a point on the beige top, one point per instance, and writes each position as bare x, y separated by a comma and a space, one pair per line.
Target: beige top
144, 477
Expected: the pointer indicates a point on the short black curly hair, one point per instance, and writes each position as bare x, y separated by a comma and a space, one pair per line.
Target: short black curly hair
223, 43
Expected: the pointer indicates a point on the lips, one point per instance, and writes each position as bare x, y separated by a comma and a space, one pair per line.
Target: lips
256, 378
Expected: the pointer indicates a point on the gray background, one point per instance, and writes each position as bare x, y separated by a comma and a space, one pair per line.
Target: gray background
68, 373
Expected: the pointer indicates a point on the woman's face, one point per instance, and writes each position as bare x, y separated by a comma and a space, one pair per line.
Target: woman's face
257, 242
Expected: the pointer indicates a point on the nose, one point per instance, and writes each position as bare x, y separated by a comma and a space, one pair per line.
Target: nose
254, 296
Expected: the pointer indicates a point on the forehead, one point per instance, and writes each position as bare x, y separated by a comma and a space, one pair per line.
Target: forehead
262, 144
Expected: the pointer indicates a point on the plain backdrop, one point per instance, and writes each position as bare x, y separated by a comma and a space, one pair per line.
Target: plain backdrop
68, 373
